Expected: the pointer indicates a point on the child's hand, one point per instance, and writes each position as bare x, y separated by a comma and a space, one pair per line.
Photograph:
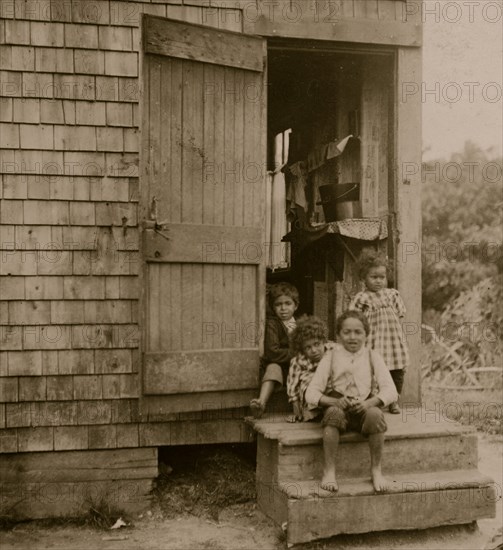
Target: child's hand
344, 402
359, 407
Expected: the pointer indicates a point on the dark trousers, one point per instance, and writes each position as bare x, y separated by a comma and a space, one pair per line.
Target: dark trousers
398, 375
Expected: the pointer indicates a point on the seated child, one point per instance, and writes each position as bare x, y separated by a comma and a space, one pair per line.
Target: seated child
309, 343
344, 384
284, 301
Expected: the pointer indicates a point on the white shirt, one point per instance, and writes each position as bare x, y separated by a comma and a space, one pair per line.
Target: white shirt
351, 375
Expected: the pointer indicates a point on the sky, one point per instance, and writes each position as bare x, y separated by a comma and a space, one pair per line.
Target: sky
462, 68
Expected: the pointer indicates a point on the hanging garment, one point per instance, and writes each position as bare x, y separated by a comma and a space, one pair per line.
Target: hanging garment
278, 256
296, 182
336, 147
317, 157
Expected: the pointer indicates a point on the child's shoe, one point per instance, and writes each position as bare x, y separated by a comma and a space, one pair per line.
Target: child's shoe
394, 408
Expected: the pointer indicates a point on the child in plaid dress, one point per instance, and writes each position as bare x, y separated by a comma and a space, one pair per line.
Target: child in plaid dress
384, 308
309, 343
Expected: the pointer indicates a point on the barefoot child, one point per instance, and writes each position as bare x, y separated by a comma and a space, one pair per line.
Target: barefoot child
284, 301
344, 384
309, 343
384, 308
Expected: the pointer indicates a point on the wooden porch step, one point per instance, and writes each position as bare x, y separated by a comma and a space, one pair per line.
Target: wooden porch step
413, 502
293, 452
400, 483
309, 433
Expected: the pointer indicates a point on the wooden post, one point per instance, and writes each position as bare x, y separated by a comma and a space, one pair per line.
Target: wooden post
408, 206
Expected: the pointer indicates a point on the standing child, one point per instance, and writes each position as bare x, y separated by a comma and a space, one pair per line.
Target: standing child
352, 383
384, 309
309, 343
284, 301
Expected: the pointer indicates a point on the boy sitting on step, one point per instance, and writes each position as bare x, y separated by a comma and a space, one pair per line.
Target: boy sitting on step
309, 343
284, 301
351, 383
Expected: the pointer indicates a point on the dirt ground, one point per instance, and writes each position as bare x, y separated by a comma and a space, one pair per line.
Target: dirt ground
243, 527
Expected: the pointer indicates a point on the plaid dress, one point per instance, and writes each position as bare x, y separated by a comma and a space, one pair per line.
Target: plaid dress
299, 376
383, 310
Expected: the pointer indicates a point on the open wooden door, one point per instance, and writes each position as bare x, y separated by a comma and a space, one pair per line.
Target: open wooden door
202, 204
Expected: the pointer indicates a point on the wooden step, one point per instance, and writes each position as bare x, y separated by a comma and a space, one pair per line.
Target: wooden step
412, 502
399, 427
293, 452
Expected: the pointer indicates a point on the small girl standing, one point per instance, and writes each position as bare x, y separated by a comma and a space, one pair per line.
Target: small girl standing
384, 308
309, 343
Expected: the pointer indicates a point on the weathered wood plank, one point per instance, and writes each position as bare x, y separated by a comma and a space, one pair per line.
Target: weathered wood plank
199, 371
364, 31
401, 483
202, 244
202, 43
74, 499
408, 201
67, 483
159, 406
416, 424
377, 82
413, 455
321, 518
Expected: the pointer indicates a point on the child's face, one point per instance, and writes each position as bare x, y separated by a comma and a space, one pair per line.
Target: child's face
352, 334
314, 349
284, 307
376, 279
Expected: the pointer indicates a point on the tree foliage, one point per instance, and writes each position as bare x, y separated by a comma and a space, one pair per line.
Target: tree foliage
462, 231
462, 270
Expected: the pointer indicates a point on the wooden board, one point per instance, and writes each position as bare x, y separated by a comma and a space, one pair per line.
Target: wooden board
79, 465
400, 483
362, 30
376, 90
408, 156
400, 456
220, 244
159, 408
199, 371
202, 43
320, 518
68, 483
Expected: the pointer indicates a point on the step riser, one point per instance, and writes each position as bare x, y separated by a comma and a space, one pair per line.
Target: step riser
313, 518
292, 463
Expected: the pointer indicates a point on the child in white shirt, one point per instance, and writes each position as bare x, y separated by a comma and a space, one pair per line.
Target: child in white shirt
351, 383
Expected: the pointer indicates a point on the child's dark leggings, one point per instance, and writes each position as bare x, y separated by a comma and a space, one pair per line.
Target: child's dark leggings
397, 375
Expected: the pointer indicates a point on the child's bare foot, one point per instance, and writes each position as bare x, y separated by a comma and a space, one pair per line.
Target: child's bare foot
328, 482
380, 483
257, 408
394, 408
292, 418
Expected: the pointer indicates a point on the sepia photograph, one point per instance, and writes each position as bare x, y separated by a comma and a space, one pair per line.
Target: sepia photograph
251, 275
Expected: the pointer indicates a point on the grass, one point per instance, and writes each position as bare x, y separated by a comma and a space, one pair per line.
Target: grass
482, 409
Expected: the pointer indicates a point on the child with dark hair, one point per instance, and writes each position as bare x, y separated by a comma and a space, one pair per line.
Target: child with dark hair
284, 301
384, 309
309, 343
351, 383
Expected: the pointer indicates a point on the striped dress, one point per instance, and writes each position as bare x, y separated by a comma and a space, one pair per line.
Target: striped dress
383, 310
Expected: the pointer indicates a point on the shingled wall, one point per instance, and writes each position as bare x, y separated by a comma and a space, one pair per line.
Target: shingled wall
69, 229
